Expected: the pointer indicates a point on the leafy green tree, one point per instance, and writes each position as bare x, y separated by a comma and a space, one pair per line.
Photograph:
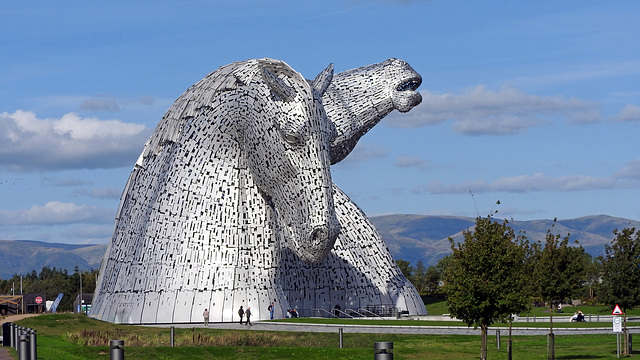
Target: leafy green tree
443, 264
559, 273
621, 272
432, 280
559, 270
419, 278
405, 267
486, 276
51, 282
593, 276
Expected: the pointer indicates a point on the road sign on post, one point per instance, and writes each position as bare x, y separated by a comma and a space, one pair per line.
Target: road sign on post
617, 311
617, 324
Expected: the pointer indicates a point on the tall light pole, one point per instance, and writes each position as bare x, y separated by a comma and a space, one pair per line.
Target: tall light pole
81, 310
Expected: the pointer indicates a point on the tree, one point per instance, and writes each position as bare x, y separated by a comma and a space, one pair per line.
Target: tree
419, 278
559, 273
406, 269
486, 276
51, 282
432, 280
621, 272
593, 276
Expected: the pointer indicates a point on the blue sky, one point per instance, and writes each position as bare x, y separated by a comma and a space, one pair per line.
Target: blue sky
535, 104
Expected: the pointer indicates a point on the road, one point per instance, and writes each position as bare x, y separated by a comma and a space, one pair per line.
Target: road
399, 329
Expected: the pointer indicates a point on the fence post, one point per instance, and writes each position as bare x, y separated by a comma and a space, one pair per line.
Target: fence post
23, 347
383, 351
173, 336
498, 338
33, 344
116, 349
12, 335
16, 337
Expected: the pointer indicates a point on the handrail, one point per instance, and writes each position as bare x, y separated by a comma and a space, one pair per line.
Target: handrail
324, 310
342, 312
370, 312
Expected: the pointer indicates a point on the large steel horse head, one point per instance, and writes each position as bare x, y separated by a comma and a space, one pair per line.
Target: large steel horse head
287, 139
276, 121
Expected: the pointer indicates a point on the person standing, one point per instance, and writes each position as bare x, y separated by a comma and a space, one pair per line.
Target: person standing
248, 313
205, 314
241, 314
271, 308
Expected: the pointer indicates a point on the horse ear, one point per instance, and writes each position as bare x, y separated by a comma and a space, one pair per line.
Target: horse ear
322, 81
278, 86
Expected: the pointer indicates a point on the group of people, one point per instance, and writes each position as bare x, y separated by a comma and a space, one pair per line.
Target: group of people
246, 313
293, 313
242, 313
578, 316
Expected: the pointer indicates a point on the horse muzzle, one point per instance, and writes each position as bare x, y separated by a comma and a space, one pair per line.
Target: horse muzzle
317, 246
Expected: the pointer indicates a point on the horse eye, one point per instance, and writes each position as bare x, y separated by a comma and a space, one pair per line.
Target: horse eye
292, 139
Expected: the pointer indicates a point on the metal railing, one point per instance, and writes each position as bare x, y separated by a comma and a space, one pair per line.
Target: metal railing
370, 313
375, 311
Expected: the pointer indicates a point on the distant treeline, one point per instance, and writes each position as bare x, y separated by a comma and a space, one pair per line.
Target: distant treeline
51, 282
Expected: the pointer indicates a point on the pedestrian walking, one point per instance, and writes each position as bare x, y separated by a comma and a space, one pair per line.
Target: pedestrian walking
241, 314
248, 314
271, 308
205, 315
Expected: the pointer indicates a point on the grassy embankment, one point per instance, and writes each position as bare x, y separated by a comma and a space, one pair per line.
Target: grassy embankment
68, 336
437, 306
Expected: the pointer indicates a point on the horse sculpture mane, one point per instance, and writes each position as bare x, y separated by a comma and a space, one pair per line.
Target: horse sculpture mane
231, 202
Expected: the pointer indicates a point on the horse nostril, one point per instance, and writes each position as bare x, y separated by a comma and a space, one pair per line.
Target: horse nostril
317, 236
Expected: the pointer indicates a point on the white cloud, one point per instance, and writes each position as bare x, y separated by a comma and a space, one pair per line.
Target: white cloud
100, 193
364, 152
412, 161
631, 112
71, 142
56, 213
629, 171
66, 182
100, 103
112, 103
89, 234
480, 111
530, 183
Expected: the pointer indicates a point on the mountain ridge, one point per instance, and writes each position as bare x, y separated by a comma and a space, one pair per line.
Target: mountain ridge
422, 237
409, 237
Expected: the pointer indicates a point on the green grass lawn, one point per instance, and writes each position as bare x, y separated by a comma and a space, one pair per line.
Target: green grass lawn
438, 306
411, 322
70, 336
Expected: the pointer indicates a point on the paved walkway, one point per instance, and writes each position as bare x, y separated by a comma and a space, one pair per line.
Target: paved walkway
4, 352
399, 329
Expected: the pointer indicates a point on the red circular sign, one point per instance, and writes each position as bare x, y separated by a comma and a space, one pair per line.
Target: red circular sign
39, 300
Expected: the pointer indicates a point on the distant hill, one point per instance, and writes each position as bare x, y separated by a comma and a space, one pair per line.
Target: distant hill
23, 256
420, 237
409, 237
